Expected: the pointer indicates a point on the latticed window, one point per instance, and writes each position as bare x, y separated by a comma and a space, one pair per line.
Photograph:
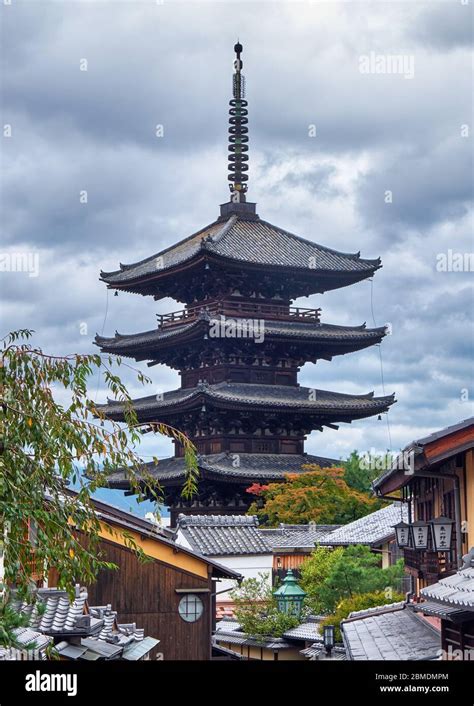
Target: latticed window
190, 608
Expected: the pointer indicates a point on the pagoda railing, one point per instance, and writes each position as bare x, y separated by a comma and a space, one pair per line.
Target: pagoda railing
240, 309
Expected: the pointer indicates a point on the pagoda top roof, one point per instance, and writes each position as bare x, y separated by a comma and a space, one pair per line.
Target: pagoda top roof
253, 467
250, 395
244, 239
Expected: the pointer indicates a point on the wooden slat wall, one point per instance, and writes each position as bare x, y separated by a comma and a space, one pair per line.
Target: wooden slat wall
289, 561
458, 637
145, 594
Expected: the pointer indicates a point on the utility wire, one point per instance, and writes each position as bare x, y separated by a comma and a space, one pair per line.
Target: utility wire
381, 359
102, 333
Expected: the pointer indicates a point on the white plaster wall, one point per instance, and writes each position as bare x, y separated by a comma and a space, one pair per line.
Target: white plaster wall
249, 565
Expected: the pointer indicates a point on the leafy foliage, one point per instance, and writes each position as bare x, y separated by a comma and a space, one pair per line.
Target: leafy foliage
11, 619
256, 609
361, 470
330, 579
360, 601
314, 575
319, 495
47, 444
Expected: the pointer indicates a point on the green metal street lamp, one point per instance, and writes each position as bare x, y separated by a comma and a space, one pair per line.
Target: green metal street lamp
290, 596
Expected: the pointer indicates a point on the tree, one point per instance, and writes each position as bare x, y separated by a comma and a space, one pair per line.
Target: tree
318, 495
314, 574
354, 570
47, 444
361, 470
360, 601
256, 609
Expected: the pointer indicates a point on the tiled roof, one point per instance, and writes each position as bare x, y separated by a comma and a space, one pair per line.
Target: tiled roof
441, 433
297, 536
247, 241
371, 529
441, 610
377, 610
329, 334
337, 405
389, 633
317, 651
456, 590
31, 641
241, 638
227, 625
223, 535
417, 448
60, 614
101, 636
254, 467
309, 630
229, 630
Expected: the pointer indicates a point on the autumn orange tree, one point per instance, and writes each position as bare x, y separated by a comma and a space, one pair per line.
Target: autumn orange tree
319, 495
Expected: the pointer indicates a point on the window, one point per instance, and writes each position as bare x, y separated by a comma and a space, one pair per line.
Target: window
32, 533
190, 608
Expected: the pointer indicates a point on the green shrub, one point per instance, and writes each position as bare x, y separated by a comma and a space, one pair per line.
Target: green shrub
330, 576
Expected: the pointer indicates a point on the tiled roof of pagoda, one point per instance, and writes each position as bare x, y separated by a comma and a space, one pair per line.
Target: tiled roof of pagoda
252, 467
246, 241
337, 338
336, 405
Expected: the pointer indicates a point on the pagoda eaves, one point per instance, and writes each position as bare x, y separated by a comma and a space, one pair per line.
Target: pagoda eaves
185, 344
242, 253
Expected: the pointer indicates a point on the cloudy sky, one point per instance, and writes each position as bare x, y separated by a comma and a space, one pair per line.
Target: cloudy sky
389, 173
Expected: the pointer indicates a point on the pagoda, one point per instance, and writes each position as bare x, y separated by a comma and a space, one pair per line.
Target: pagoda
238, 344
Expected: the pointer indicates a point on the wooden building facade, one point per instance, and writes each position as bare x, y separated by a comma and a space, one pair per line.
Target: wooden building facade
172, 595
437, 480
440, 483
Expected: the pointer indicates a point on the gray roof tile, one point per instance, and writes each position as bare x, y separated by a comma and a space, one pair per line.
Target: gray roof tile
297, 536
223, 535
128, 344
254, 467
318, 651
104, 637
456, 590
265, 396
25, 637
389, 633
253, 241
371, 529
309, 630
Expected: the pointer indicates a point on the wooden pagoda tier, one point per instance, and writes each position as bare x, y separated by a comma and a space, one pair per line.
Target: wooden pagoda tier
184, 341
250, 418
223, 479
240, 254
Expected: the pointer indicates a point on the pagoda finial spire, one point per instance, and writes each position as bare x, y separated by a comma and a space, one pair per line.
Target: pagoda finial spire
238, 132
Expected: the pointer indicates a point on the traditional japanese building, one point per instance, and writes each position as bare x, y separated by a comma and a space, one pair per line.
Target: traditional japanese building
239, 343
